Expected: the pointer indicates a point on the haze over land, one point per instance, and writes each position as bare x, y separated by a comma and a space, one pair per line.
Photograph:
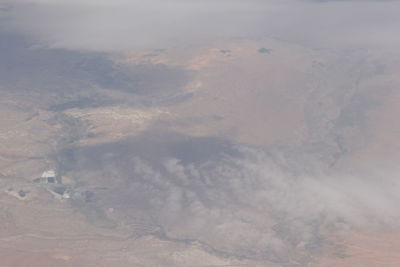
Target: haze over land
199, 133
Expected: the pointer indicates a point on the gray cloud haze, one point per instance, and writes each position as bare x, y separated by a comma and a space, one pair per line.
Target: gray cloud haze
122, 24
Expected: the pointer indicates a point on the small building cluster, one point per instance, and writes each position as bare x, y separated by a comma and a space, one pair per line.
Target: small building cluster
61, 187
48, 177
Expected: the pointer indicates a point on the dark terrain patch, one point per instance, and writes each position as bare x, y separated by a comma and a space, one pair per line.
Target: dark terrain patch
62, 79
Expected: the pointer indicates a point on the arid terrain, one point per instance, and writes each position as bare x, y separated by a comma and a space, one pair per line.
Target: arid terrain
251, 152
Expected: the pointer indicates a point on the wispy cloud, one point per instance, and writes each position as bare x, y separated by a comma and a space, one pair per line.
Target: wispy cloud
241, 200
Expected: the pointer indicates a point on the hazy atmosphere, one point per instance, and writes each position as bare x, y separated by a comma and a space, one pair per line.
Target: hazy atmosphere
196, 133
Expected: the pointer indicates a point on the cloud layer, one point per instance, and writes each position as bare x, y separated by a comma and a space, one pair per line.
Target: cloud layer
122, 24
